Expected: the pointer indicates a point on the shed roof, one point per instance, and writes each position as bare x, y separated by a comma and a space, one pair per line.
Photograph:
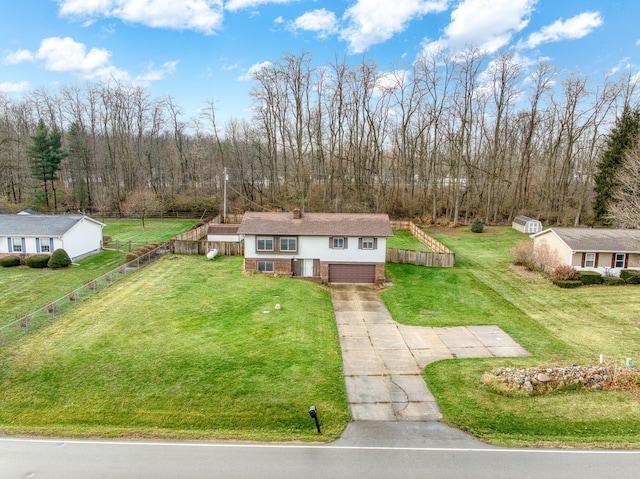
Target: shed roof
316, 224
597, 239
522, 220
39, 225
223, 229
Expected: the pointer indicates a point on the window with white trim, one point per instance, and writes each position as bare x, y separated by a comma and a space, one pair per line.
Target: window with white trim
337, 242
265, 266
265, 243
367, 243
589, 260
619, 261
45, 245
16, 245
288, 244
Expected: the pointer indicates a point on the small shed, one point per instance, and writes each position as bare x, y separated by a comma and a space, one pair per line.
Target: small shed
224, 233
524, 224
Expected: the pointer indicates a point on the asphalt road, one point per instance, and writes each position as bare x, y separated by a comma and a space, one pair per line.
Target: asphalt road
417, 451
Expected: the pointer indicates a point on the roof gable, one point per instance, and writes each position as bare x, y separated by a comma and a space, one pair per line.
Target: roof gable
32, 225
316, 224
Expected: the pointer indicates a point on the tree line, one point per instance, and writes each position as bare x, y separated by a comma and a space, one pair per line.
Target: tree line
449, 137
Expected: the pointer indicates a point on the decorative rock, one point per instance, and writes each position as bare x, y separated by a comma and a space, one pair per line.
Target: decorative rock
543, 378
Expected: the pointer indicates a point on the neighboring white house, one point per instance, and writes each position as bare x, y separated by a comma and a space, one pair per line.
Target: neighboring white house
525, 224
333, 247
31, 233
591, 249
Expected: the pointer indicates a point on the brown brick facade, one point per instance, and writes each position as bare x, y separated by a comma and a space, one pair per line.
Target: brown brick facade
283, 267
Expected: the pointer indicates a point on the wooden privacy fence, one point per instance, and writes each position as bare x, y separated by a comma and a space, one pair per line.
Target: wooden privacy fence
193, 234
420, 258
203, 247
439, 255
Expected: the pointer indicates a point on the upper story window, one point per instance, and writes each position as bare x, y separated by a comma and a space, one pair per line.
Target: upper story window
367, 243
265, 243
288, 244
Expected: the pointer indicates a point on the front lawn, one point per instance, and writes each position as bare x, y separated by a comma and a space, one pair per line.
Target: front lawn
23, 289
185, 348
558, 326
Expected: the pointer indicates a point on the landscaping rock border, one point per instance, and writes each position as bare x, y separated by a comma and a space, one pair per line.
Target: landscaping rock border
542, 380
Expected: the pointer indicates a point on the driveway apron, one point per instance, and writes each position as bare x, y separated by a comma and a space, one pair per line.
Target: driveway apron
383, 360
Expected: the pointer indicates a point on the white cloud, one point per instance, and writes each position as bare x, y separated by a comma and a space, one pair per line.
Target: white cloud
233, 5
573, 28
19, 56
487, 24
321, 20
156, 74
65, 54
253, 70
9, 87
200, 15
375, 21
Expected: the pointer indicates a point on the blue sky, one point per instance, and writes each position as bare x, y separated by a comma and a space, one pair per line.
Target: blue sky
202, 50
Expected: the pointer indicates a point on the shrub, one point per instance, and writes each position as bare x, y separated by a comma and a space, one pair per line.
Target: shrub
59, 259
38, 260
630, 276
590, 277
9, 261
131, 256
106, 239
565, 273
567, 283
610, 280
633, 279
477, 226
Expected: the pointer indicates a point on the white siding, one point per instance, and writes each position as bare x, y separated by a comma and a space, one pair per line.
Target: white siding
84, 238
317, 247
224, 238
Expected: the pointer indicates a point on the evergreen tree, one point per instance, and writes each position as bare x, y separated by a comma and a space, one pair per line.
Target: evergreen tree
621, 139
46, 154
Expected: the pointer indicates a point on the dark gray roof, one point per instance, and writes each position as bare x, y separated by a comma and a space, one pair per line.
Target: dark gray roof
599, 239
39, 225
316, 224
522, 220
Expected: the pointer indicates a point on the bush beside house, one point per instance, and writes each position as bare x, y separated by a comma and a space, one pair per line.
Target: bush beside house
59, 259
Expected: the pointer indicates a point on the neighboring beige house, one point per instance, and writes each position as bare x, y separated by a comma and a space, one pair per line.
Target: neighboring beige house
331, 247
591, 249
31, 233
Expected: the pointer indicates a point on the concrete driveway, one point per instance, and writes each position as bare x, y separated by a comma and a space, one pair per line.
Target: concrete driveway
383, 360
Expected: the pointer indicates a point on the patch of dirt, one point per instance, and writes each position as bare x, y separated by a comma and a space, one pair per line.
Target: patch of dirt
527, 273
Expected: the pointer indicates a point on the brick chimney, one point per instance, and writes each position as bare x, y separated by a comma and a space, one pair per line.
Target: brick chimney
297, 214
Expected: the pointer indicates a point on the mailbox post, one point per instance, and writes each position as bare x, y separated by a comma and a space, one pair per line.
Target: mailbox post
314, 414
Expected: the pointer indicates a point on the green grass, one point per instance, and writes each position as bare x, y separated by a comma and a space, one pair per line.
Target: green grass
184, 349
557, 326
405, 240
155, 230
23, 289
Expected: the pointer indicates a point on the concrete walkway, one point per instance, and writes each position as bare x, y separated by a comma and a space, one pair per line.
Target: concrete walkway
383, 360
